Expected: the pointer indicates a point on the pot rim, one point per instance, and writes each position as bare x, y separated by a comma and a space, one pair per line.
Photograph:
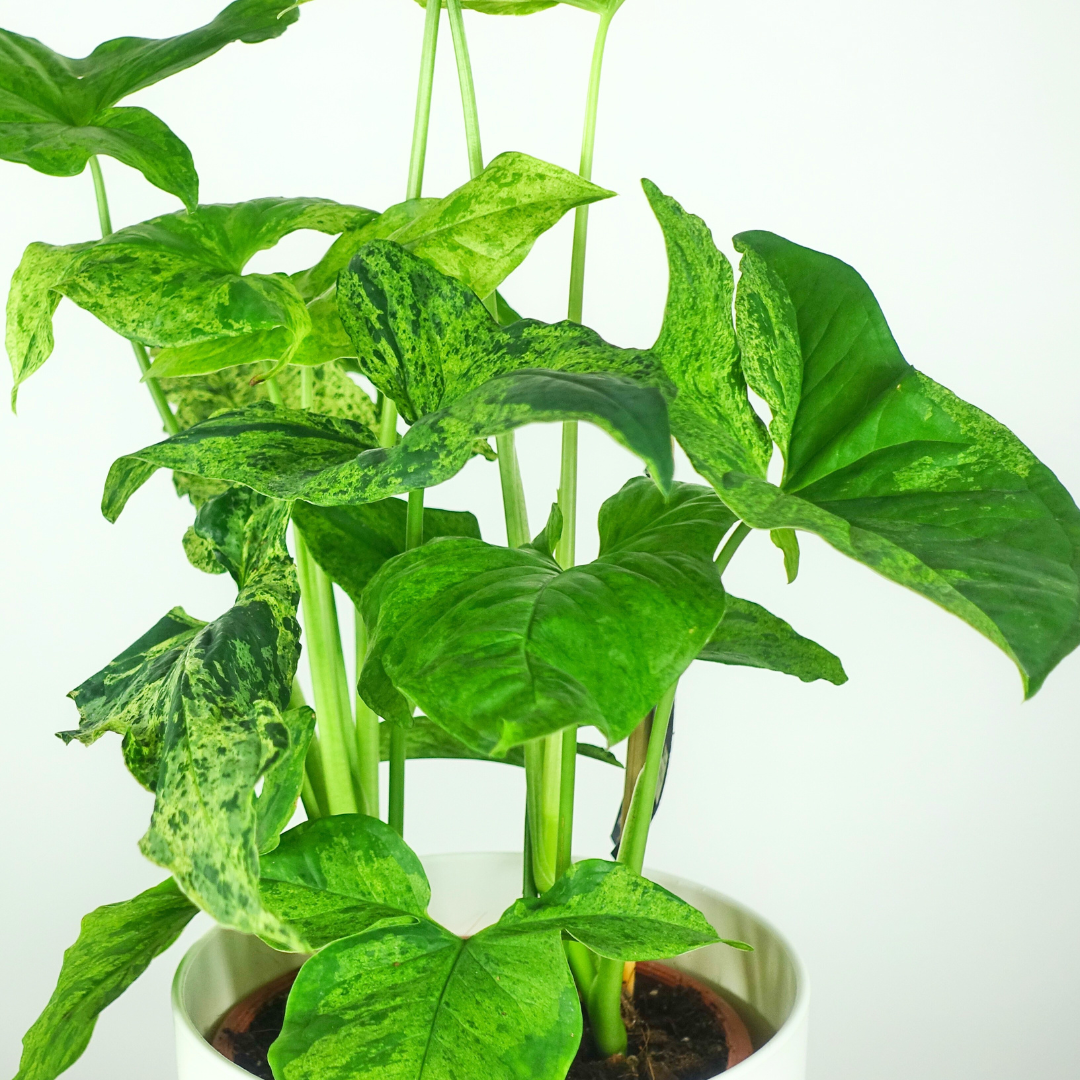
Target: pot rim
794, 1022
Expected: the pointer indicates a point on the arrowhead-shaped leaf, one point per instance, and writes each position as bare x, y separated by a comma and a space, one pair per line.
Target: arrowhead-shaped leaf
293, 454
201, 711
115, 946
56, 112
351, 542
750, 636
893, 469
647, 605
340, 875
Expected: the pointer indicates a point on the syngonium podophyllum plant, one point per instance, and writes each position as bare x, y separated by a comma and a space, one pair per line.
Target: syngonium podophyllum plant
466, 648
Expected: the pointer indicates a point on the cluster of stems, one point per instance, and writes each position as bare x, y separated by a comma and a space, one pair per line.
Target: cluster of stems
341, 773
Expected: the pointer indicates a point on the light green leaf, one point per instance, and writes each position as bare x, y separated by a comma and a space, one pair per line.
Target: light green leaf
787, 540
115, 946
292, 454
482, 231
647, 605
548, 537
31, 304
427, 740
339, 875
418, 1003
56, 112
351, 542
614, 911
897, 472
750, 636
201, 711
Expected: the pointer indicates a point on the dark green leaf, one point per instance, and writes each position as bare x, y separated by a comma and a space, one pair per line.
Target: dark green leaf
484, 230
201, 711
416, 1001
116, 944
276, 803
351, 542
487, 640
893, 469
750, 636
614, 911
292, 454
340, 875
56, 112
427, 740
787, 540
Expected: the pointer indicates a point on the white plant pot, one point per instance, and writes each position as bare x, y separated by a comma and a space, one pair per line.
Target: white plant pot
468, 893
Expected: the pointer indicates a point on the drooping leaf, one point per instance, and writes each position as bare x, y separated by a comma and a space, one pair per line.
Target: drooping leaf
351, 542
177, 280
750, 636
614, 911
417, 1001
428, 740
484, 230
340, 875
56, 112
499, 659
893, 469
291, 454
276, 803
201, 711
787, 540
115, 946
548, 537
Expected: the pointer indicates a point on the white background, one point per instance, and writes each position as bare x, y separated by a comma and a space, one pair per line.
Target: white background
914, 832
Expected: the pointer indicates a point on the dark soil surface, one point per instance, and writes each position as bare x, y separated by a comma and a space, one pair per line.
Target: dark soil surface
672, 1035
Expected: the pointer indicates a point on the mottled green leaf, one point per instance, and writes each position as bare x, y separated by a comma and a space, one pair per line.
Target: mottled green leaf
340, 875
291, 454
121, 697
428, 740
351, 542
750, 636
31, 304
201, 711
55, 112
487, 640
614, 911
276, 803
418, 1003
483, 231
897, 472
115, 945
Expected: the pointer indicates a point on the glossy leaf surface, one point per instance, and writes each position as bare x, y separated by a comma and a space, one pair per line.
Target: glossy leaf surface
893, 469
55, 112
340, 875
351, 542
615, 912
418, 1002
115, 945
292, 454
202, 708
427, 740
487, 640
750, 636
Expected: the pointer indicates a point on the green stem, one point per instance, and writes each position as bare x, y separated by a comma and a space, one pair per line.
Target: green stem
513, 493
396, 817
327, 676
468, 88
543, 758
367, 730
567, 775
422, 116
734, 541
605, 1000
528, 882
161, 403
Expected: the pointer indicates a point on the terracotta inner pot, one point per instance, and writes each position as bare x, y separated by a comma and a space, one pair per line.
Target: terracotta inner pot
241, 1016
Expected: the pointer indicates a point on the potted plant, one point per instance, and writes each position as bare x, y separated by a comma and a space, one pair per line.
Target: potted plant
339, 954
